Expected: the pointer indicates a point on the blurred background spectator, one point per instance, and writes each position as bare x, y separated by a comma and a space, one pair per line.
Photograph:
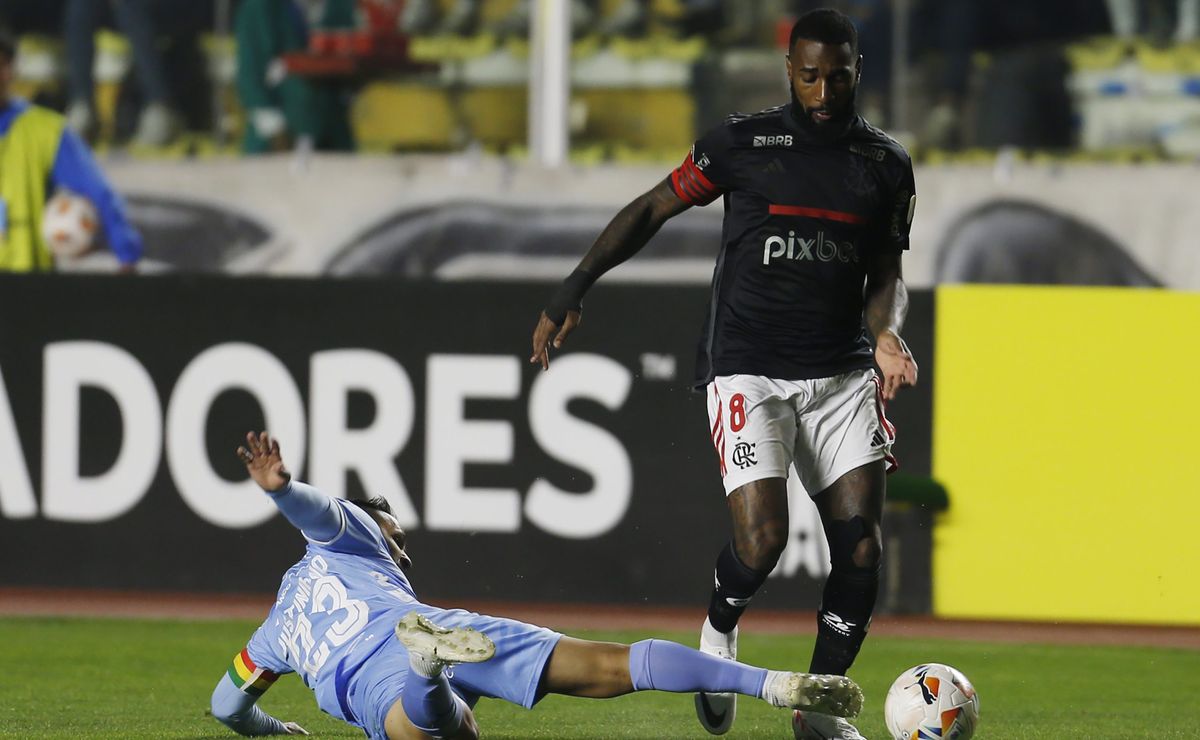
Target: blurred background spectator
1020, 95
1161, 19
1107, 77
282, 107
82, 18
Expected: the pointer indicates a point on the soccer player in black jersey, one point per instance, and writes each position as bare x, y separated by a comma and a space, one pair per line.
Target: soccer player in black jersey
818, 205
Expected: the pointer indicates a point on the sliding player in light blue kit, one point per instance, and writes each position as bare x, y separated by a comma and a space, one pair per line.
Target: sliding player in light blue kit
349, 623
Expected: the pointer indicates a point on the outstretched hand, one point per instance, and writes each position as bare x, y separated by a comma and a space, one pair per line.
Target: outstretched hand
264, 463
541, 336
294, 729
896, 362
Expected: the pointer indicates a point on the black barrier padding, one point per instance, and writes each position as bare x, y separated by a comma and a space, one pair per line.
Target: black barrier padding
660, 552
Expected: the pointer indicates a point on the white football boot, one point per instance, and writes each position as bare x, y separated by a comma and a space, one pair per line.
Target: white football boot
432, 648
813, 692
815, 726
717, 711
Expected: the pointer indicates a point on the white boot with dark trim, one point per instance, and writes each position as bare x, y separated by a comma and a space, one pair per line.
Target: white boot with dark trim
716, 712
816, 726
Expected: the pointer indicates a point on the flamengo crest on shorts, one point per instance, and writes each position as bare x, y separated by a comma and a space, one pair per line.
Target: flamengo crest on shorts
823, 427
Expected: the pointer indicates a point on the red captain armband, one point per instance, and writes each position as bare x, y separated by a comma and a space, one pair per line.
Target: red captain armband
690, 184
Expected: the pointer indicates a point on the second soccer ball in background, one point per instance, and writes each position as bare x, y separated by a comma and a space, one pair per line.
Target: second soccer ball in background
69, 224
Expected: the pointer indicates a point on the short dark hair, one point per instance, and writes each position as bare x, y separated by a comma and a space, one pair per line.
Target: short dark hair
375, 503
8, 44
826, 25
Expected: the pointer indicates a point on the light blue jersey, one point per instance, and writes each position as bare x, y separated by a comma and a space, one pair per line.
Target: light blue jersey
335, 608
333, 621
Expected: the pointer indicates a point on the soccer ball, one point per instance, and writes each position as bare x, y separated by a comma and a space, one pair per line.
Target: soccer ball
931, 701
68, 224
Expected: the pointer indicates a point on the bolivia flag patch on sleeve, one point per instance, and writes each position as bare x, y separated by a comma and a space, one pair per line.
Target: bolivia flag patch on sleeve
249, 677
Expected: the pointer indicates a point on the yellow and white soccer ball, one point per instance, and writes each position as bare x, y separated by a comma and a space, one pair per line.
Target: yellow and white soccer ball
69, 224
931, 701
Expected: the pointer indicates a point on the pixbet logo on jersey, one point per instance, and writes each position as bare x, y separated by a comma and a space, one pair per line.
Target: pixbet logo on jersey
818, 249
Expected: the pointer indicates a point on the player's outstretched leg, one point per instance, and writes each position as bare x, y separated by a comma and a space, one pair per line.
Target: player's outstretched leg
669, 666
428, 702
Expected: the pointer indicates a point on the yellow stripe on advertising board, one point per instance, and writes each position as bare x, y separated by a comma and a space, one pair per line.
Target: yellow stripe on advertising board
1066, 425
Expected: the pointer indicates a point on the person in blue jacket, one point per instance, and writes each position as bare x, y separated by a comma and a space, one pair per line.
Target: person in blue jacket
39, 154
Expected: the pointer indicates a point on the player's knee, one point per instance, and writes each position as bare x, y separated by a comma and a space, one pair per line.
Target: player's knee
855, 543
588, 668
615, 672
399, 726
867, 553
607, 664
764, 547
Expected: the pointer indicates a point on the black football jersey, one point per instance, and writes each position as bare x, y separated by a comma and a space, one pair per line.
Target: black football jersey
801, 217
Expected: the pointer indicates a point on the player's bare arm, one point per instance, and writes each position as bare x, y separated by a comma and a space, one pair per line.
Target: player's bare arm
264, 462
886, 307
624, 236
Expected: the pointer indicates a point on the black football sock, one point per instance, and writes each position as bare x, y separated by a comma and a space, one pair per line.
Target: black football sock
736, 584
844, 617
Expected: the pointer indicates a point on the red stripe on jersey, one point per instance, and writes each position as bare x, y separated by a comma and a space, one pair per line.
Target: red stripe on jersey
848, 218
690, 184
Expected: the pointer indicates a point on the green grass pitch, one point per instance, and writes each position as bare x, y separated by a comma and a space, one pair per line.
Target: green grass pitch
84, 678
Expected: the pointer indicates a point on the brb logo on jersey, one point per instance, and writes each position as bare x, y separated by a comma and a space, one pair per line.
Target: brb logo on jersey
779, 140
818, 249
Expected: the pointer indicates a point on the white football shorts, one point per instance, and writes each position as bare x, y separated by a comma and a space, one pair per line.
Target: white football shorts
824, 427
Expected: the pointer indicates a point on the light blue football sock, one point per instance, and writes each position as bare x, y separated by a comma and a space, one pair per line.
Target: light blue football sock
430, 704
669, 666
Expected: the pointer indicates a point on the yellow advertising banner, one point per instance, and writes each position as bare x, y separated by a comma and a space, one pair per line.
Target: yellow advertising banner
1066, 426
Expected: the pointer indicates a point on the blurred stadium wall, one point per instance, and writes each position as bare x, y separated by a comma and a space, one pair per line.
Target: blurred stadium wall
269, 220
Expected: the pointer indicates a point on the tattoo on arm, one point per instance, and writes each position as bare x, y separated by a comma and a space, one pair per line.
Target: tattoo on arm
886, 295
631, 228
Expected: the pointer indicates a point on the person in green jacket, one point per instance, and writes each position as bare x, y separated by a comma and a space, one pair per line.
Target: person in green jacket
284, 109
